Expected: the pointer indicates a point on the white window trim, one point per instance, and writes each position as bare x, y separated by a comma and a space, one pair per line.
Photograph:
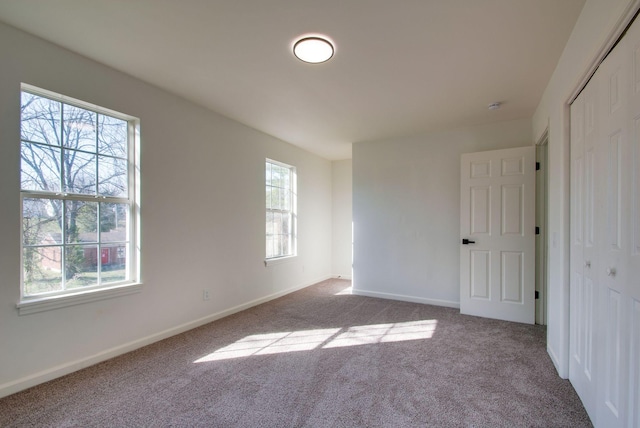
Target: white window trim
279, 260
40, 303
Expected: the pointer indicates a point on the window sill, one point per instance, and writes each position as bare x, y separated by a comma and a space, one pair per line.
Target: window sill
279, 260
41, 304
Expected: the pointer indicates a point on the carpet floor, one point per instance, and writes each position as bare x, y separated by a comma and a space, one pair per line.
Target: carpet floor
319, 357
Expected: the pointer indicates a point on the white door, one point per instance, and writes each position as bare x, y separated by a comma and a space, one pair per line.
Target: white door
497, 234
632, 289
584, 246
605, 239
613, 80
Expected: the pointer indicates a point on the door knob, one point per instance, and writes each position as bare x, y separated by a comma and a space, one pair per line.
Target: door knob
587, 264
611, 271
465, 241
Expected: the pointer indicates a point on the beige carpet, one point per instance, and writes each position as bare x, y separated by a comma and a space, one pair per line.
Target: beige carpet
319, 358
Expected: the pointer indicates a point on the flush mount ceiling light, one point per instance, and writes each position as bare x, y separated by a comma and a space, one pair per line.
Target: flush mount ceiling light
313, 49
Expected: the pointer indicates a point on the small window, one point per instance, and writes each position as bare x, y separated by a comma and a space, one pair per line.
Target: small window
281, 210
77, 196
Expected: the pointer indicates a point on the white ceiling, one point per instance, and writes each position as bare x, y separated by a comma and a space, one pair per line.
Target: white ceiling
401, 67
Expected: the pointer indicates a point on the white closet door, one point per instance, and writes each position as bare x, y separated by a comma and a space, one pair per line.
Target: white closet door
584, 263
613, 155
605, 239
631, 291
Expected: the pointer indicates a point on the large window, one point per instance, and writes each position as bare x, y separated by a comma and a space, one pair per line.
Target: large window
77, 196
281, 210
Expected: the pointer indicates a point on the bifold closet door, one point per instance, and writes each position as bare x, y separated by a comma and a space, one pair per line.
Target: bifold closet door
584, 239
630, 258
605, 239
613, 79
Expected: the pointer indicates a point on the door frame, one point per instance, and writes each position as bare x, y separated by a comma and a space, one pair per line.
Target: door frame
542, 215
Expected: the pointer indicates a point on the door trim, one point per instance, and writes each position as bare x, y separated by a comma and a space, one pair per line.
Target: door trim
542, 239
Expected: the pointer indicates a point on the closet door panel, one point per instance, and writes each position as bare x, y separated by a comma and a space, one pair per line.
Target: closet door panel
614, 167
583, 241
633, 259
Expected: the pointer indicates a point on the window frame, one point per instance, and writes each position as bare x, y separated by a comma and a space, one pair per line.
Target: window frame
31, 303
293, 197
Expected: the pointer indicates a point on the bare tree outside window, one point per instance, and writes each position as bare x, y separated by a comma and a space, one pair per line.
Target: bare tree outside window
75, 196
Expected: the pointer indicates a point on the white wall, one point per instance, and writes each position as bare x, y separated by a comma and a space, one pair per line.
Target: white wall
341, 234
202, 202
597, 22
406, 199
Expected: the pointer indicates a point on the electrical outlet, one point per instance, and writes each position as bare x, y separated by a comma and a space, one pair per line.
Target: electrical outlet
205, 294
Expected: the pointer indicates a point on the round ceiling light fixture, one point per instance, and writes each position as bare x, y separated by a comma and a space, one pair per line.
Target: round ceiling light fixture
313, 49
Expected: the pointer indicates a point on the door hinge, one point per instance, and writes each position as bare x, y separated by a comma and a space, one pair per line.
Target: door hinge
537, 295
537, 230
537, 166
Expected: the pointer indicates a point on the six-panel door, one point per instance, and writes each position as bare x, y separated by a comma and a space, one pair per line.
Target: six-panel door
497, 267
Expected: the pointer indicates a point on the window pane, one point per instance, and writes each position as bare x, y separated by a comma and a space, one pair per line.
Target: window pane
284, 173
112, 177
40, 119
279, 247
276, 245
276, 176
80, 172
286, 200
268, 174
283, 199
113, 259
277, 223
39, 167
42, 269
79, 128
286, 178
280, 203
81, 266
269, 223
112, 136
275, 198
269, 190
286, 223
81, 220
113, 222
41, 220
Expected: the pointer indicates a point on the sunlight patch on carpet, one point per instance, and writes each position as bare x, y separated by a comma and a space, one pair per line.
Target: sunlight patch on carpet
344, 292
272, 343
384, 333
307, 340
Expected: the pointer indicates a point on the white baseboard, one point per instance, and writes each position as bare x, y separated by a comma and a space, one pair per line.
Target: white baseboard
413, 299
342, 277
556, 362
70, 367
